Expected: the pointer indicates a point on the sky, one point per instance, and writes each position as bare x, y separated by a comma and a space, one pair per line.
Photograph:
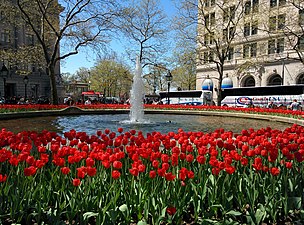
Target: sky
82, 59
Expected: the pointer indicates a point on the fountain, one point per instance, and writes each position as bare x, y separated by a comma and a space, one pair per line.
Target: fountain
137, 94
151, 122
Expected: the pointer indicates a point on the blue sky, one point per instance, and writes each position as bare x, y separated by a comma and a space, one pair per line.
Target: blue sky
73, 63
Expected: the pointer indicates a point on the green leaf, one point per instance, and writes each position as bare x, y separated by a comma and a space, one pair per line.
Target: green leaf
210, 221
163, 214
142, 223
87, 215
234, 213
217, 206
212, 179
123, 208
290, 184
260, 213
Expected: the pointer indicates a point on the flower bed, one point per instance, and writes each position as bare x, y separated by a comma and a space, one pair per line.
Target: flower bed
264, 111
124, 177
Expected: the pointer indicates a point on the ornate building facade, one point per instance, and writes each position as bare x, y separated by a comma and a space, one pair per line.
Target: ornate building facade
260, 42
20, 75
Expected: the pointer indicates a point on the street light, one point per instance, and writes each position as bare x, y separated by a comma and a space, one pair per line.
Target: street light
25, 81
168, 79
4, 74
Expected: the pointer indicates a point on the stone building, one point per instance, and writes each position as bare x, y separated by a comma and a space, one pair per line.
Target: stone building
19, 76
263, 40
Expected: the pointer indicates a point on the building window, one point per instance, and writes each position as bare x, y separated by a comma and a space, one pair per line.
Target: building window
6, 36
229, 14
249, 82
301, 43
210, 19
250, 50
208, 56
255, 6
276, 46
206, 39
247, 29
226, 15
281, 22
29, 39
211, 38
272, 23
254, 28
277, 22
2, 16
275, 3
282, 2
209, 3
300, 79
251, 6
228, 33
271, 47
247, 7
253, 50
275, 80
280, 45
230, 53
207, 22
301, 16
250, 29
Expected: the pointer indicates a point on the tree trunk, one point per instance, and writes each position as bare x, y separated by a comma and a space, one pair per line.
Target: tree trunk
52, 76
219, 91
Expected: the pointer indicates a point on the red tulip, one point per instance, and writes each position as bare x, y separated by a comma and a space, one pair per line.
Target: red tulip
3, 178
152, 174
76, 182
134, 172
171, 210
274, 171
91, 171
117, 164
90, 161
30, 171
115, 174
65, 170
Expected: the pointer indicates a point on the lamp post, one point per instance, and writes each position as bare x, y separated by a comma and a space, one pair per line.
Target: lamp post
25, 81
168, 79
4, 74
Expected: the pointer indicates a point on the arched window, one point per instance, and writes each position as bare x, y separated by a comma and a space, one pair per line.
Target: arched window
275, 80
300, 79
249, 82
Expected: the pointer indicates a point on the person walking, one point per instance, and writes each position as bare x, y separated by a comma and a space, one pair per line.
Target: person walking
295, 105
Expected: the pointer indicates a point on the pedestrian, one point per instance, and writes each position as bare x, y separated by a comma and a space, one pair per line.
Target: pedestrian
88, 102
271, 105
295, 105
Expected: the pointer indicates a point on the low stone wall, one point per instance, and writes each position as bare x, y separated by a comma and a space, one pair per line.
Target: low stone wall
73, 110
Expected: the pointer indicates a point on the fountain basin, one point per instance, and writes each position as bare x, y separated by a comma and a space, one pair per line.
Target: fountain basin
156, 120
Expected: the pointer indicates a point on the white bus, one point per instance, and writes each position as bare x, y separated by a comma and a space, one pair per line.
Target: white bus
189, 97
262, 96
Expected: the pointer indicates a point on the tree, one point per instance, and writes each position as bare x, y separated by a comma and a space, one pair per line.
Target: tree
293, 29
77, 24
83, 75
215, 37
144, 25
111, 78
155, 80
185, 67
